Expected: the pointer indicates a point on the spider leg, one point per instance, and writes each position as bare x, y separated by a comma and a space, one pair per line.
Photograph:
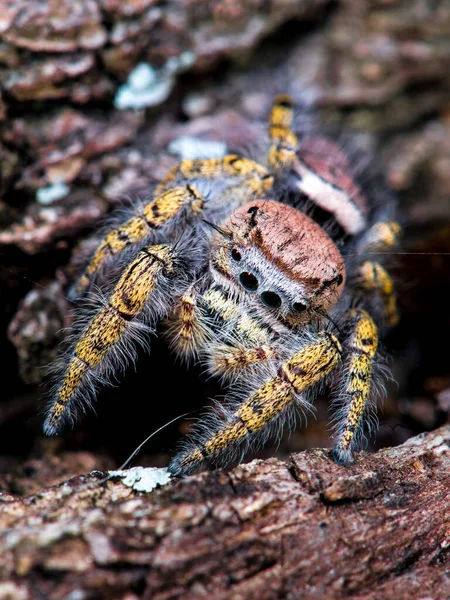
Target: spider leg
353, 400
301, 371
248, 175
374, 279
381, 237
182, 203
145, 292
284, 143
178, 200
229, 362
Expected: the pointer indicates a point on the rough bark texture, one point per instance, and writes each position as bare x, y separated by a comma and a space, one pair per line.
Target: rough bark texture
267, 529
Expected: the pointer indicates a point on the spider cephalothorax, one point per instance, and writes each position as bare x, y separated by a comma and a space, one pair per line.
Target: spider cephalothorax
281, 257
249, 285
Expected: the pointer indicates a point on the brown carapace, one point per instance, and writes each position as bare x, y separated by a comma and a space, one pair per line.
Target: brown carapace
296, 245
261, 271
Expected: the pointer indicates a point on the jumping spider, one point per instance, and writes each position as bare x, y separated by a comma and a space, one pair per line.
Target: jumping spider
272, 296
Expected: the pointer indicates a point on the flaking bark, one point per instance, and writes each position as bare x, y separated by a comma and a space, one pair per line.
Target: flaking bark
267, 529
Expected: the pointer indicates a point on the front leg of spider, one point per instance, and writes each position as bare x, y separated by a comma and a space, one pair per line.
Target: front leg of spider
140, 297
303, 370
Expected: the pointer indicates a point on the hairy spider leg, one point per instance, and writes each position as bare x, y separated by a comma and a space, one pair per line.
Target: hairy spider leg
315, 166
284, 143
177, 200
183, 203
373, 278
243, 172
105, 340
352, 402
300, 372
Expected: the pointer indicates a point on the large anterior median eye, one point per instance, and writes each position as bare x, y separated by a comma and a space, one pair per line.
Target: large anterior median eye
271, 299
249, 281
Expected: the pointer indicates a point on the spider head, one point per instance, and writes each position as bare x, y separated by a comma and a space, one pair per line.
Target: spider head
278, 258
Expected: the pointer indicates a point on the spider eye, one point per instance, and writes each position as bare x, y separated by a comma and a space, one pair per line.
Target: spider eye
271, 299
249, 281
299, 307
339, 279
236, 255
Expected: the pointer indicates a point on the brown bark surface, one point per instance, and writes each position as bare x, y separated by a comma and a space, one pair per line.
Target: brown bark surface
267, 529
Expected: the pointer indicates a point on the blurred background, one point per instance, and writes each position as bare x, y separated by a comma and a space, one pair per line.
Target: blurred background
96, 99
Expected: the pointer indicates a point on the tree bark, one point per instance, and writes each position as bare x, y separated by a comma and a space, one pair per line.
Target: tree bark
267, 529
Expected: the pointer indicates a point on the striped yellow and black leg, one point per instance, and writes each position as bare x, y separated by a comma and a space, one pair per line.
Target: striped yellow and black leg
243, 423
182, 203
374, 279
104, 344
284, 142
243, 173
353, 401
